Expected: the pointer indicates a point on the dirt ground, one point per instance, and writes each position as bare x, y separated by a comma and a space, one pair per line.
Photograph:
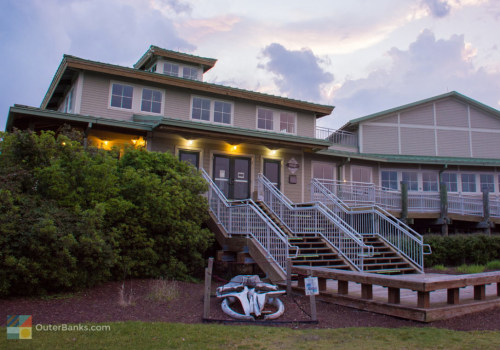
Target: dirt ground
105, 304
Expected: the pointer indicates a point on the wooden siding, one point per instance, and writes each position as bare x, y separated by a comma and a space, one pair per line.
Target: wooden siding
451, 113
380, 139
485, 145
453, 143
305, 125
389, 119
418, 141
482, 120
423, 115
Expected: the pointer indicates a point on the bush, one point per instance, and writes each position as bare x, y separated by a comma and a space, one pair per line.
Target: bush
456, 250
73, 217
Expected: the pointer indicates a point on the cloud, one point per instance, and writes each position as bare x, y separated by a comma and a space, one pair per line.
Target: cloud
429, 67
437, 8
297, 73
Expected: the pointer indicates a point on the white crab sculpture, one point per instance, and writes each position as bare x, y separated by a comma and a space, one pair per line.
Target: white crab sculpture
252, 294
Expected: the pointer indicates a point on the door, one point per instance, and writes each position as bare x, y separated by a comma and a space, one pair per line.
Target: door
272, 171
232, 176
190, 157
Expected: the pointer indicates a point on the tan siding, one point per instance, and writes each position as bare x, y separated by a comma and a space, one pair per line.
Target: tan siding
380, 139
389, 119
95, 99
451, 113
453, 143
177, 104
293, 191
482, 120
245, 115
423, 115
486, 145
305, 125
418, 141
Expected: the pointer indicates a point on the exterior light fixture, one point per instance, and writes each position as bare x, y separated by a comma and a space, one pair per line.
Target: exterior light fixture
189, 142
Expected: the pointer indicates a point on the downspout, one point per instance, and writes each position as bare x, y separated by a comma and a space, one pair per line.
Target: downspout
342, 164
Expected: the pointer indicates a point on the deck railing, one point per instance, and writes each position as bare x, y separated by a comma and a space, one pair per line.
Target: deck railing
360, 193
372, 219
338, 137
315, 218
246, 218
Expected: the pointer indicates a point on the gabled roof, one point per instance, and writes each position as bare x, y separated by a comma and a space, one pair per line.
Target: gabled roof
155, 51
452, 94
73, 64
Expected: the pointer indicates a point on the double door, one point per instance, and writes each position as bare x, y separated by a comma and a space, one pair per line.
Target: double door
232, 176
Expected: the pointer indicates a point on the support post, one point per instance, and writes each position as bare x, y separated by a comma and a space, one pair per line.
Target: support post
393, 295
312, 301
366, 291
486, 212
453, 296
480, 292
424, 300
343, 287
208, 283
443, 197
289, 276
404, 202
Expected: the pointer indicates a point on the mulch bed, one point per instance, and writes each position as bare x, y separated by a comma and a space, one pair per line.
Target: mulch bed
102, 304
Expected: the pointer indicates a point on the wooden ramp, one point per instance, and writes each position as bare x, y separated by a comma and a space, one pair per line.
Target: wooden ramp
422, 297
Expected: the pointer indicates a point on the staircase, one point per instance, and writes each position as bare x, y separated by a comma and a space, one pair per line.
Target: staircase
400, 248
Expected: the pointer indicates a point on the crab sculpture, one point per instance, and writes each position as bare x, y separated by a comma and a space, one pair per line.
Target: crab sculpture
253, 295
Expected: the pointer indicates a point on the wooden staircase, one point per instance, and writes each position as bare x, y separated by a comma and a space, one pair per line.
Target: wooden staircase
385, 260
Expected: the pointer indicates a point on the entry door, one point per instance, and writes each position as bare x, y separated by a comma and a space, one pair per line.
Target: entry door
272, 171
232, 176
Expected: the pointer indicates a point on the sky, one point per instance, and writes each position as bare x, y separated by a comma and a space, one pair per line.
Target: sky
361, 56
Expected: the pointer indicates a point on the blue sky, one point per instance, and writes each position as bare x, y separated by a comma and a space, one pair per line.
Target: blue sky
362, 56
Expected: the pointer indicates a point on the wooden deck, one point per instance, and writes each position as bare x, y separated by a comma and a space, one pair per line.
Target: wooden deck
420, 297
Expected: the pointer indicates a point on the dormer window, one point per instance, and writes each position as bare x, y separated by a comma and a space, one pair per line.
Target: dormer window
190, 73
153, 69
171, 69
277, 121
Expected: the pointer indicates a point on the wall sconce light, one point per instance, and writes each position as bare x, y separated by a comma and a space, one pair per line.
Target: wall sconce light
105, 142
234, 147
189, 142
273, 152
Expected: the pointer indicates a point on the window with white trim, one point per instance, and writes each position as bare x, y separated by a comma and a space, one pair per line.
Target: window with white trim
171, 69
487, 182
274, 120
389, 179
411, 179
151, 101
451, 181
468, 182
121, 96
429, 181
211, 110
190, 73
69, 102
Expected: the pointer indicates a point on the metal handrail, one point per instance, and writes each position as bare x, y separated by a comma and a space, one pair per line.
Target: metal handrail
376, 220
316, 217
244, 217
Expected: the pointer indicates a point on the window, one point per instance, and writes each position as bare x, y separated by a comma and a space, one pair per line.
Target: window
429, 182
201, 109
151, 101
468, 183
190, 73
278, 121
265, 119
171, 69
69, 102
211, 110
287, 122
411, 179
222, 112
324, 171
390, 180
191, 157
153, 68
451, 182
121, 96
487, 182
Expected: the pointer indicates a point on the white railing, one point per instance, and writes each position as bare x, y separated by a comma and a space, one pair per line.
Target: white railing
360, 193
373, 219
315, 218
246, 218
339, 137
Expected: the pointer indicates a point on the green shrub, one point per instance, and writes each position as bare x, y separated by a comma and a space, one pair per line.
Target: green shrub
455, 250
470, 268
493, 265
439, 267
73, 217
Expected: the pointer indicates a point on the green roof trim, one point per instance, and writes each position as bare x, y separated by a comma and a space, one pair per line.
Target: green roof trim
233, 131
413, 159
454, 94
47, 113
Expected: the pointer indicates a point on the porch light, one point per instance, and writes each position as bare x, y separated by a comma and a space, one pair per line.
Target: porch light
234, 147
189, 142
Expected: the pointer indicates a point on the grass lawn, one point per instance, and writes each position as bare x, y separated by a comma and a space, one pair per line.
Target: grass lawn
143, 335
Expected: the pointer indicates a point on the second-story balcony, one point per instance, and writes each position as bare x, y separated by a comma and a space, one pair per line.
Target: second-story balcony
337, 137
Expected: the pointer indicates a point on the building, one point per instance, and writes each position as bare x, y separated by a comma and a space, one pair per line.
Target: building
235, 135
